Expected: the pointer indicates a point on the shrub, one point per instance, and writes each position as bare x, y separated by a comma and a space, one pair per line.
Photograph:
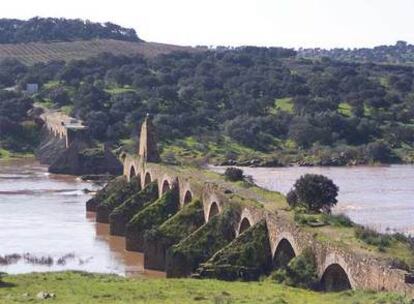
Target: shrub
300, 272
234, 174
292, 198
371, 237
339, 220
314, 192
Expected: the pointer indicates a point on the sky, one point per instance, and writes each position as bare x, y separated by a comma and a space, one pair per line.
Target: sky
287, 23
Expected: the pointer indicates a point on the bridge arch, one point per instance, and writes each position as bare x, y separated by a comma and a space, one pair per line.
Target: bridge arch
147, 179
213, 210
285, 251
246, 221
188, 197
165, 186
335, 274
132, 172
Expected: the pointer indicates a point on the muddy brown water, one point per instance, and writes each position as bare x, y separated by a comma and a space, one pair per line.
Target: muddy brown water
381, 197
44, 226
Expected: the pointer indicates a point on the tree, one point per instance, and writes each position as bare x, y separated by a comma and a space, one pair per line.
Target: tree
234, 174
314, 192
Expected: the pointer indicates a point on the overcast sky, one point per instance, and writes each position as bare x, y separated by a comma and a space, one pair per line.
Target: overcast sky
288, 23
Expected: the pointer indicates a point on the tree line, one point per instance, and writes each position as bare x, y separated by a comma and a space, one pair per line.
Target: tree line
60, 29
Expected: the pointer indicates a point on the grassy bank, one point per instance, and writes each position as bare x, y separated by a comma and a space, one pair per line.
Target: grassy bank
88, 288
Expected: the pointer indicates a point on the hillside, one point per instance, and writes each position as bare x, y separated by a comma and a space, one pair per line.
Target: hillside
401, 53
34, 52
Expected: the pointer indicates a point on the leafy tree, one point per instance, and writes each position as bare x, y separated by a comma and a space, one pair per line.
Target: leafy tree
234, 174
314, 192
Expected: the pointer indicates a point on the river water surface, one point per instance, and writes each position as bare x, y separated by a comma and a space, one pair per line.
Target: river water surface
44, 226
380, 197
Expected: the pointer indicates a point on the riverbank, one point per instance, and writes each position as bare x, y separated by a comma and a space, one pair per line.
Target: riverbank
86, 288
9, 155
226, 152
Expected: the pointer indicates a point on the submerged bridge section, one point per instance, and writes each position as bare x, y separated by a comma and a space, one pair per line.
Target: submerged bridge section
339, 267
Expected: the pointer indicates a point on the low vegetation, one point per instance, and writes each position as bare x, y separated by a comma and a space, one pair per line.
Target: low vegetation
300, 272
248, 257
70, 287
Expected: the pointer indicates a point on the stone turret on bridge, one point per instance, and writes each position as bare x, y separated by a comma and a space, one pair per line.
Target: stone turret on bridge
148, 150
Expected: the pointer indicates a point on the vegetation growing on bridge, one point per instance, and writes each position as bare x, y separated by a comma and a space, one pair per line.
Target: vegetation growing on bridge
183, 258
151, 216
74, 287
102, 194
119, 193
300, 272
178, 227
122, 214
246, 258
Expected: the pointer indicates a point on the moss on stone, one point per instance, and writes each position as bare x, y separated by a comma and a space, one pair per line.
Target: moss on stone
118, 195
151, 216
158, 240
184, 258
247, 257
102, 194
122, 214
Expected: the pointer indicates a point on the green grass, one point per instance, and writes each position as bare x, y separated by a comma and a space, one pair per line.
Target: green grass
118, 90
345, 109
5, 154
51, 84
73, 288
284, 104
67, 109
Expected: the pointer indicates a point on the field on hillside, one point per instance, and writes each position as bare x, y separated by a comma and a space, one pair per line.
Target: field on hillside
32, 53
89, 288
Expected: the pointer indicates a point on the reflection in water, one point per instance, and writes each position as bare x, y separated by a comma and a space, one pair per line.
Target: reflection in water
44, 227
380, 197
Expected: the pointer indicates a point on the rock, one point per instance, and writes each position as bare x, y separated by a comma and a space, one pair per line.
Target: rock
45, 295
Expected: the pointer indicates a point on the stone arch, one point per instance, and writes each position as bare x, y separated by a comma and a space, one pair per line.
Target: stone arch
284, 253
165, 186
147, 178
213, 210
335, 278
188, 197
210, 198
246, 221
132, 172
244, 225
335, 274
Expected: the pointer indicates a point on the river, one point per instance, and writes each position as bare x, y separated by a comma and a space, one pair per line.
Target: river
381, 197
44, 226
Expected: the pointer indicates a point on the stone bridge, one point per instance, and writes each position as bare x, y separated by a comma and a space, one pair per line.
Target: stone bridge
339, 267
61, 126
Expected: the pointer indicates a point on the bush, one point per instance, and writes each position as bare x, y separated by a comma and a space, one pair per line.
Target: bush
371, 237
300, 272
234, 174
292, 198
340, 220
314, 192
